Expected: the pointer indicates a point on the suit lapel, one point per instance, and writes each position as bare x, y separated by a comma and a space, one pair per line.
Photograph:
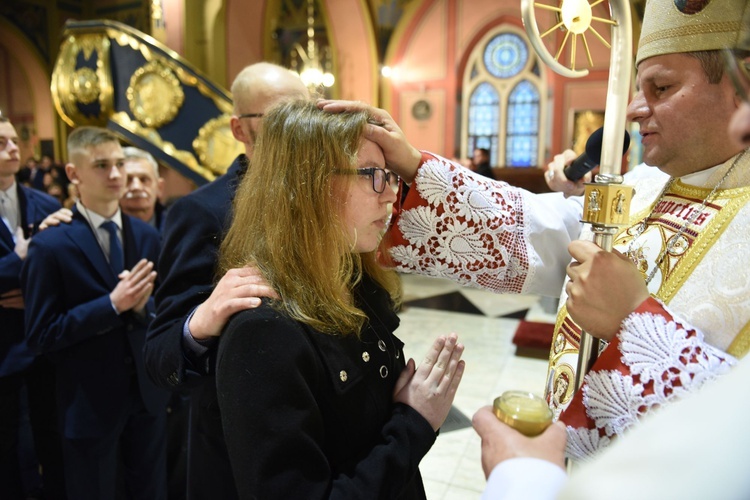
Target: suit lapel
6, 237
5, 233
83, 236
26, 208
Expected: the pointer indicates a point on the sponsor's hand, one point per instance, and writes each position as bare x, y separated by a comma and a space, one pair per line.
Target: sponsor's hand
237, 290
62, 216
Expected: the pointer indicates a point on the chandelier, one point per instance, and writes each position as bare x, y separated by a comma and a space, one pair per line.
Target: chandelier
315, 65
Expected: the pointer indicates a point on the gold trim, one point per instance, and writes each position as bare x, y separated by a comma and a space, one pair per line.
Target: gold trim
85, 85
127, 35
692, 30
66, 78
154, 94
736, 198
223, 101
151, 135
216, 146
740, 346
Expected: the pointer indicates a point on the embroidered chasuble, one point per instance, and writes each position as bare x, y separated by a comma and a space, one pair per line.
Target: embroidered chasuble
694, 252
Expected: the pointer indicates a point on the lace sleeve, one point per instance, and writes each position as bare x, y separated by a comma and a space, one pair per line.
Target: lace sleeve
482, 233
656, 358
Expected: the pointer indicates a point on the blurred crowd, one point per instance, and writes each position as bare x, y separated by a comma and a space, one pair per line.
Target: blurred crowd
48, 175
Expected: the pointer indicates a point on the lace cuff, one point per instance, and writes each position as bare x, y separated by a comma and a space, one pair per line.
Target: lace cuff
655, 358
462, 226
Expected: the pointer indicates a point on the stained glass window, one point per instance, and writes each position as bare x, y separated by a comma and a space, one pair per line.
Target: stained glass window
503, 111
523, 126
506, 55
484, 112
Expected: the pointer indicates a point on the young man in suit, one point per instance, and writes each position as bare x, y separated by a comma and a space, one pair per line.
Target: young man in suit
22, 209
87, 287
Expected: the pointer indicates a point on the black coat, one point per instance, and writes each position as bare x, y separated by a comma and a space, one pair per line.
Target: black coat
308, 415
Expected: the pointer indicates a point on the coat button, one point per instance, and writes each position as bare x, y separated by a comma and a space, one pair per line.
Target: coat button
381, 345
383, 371
343, 376
365, 356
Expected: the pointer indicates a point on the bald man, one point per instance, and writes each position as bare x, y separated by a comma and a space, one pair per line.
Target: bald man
191, 312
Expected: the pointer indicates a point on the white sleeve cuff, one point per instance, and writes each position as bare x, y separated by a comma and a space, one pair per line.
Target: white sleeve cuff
524, 479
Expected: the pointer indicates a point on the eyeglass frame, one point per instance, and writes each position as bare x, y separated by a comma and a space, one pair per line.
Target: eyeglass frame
386, 176
250, 115
738, 69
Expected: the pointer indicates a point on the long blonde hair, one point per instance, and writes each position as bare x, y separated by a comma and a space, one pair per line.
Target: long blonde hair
287, 217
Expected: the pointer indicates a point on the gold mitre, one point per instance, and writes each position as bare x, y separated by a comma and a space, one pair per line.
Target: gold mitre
674, 26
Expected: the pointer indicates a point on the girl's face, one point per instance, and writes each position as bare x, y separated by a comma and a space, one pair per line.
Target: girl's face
365, 212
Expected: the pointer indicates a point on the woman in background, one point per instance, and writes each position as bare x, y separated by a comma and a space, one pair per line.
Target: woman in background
315, 397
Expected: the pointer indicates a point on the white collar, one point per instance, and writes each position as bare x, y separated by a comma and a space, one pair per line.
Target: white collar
11, 193
699, 178
96, 220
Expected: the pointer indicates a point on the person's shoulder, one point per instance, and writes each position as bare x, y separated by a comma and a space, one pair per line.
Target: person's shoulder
263, 317
41, 198
264, 329
141, 227
217, 191
210, 198
58, 238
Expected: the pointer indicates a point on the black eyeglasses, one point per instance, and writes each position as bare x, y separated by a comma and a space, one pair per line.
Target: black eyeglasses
380, 178
738, 69
250, 115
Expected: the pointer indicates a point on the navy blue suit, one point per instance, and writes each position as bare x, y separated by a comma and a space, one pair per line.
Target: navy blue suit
19, 365
15, 356
194, 229
102, 385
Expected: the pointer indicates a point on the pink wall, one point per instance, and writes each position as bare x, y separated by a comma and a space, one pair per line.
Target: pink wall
429, 50
26, 87
245, 28
174, 17
350, 33
352, 38
431, 47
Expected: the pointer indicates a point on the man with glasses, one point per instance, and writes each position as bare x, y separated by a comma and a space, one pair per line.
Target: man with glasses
684, 451
687, 231
191, 312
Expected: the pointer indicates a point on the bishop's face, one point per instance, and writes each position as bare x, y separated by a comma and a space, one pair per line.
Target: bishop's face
682, 117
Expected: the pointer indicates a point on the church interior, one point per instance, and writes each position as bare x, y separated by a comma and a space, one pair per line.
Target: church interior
456, 75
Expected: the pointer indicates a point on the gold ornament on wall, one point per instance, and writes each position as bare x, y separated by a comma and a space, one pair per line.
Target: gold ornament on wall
154, 94
85, 85
215, 145
88, 85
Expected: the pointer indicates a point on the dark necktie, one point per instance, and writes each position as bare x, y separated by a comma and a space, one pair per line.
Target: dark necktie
115, 248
